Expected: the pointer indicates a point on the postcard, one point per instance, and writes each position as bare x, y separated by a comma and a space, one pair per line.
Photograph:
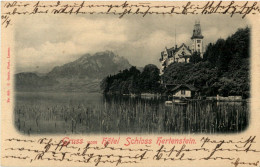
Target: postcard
130, 83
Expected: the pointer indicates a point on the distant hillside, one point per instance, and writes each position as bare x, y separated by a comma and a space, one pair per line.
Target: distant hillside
83, 74
31, 81
97, 66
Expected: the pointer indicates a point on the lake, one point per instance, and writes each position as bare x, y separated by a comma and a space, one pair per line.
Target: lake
94, 113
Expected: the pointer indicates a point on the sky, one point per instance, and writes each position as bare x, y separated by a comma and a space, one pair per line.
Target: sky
43, 42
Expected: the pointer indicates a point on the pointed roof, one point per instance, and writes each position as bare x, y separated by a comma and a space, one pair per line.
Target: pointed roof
171, 51
197, 31
185, 46
190, 87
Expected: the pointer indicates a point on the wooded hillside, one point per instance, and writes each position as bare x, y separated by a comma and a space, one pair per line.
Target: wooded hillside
224, 69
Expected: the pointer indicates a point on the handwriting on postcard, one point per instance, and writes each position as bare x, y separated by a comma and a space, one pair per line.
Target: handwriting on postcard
78, 150
126, 8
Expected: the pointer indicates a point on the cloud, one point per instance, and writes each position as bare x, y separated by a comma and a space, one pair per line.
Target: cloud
214, 33
43, 42
146, 50
64, 41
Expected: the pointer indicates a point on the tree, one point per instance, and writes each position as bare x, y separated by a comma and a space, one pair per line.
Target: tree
149, 79
195, 58
224, 70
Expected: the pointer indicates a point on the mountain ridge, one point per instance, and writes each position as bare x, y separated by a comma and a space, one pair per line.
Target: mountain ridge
82, 74
96, 66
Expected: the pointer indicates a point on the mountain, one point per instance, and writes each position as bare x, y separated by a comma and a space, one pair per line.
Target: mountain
98, 66
83, 74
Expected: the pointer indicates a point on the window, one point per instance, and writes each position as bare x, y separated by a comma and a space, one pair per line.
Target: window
198, 41
198, 45
183, 92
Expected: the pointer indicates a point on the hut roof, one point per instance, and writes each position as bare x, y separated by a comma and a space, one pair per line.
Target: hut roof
190, 87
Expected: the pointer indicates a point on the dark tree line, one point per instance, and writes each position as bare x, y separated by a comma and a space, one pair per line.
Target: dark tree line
224, 69
133, 81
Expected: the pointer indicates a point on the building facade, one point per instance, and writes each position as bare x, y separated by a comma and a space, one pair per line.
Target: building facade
181, 90
183, 53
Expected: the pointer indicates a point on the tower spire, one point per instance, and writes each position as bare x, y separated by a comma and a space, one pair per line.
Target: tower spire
197, 31
197, 39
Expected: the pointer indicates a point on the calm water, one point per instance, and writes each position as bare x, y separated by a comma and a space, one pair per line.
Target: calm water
78, 113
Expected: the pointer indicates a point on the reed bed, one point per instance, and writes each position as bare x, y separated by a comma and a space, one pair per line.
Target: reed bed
121, 115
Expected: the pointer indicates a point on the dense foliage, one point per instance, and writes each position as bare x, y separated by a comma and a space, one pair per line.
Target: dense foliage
195, 58
133, 81
224, 69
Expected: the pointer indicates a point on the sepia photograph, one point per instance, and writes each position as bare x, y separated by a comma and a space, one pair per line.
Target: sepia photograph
151, 75
130, 83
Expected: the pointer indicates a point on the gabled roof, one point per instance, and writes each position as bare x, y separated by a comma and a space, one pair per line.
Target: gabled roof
185, 46
190, 87
171, 51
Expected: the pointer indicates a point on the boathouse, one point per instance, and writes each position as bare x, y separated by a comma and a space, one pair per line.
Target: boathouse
183, 91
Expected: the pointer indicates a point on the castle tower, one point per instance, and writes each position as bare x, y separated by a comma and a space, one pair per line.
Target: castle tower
197, 39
